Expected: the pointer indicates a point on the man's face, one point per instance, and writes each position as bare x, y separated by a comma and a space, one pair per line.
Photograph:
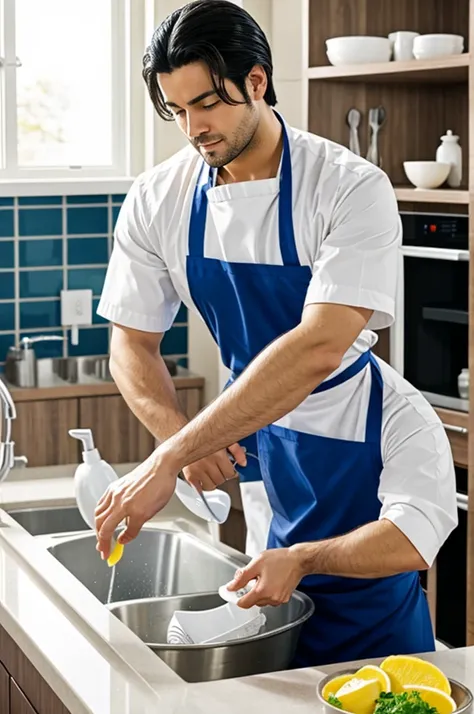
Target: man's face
220, 132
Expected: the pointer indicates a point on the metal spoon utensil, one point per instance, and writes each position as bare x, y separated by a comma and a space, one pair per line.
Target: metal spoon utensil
377, 118
353, 121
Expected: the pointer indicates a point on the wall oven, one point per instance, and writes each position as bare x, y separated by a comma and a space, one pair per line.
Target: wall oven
429, 341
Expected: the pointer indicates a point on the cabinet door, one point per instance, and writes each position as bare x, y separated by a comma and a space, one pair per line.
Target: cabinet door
118, 434
4, 690
40, 431
191, 401
19, 704
456, 425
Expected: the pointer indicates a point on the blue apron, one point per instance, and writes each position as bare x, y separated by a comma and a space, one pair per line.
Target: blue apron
318, 487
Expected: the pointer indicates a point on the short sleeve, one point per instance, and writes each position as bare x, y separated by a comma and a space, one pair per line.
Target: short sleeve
357, 260
138, 291
418, 488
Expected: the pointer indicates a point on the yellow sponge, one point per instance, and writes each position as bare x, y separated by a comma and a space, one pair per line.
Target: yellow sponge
115, 555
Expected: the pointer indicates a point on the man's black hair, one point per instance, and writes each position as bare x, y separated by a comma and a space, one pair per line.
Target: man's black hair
216, 32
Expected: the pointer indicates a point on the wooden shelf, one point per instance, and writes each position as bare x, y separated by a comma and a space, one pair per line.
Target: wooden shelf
438, 195
448, 70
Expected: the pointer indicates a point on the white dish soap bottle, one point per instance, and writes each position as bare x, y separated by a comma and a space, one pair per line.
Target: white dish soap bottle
91, 480
450, 152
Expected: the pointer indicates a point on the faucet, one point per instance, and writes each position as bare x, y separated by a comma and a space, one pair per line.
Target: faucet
7, 414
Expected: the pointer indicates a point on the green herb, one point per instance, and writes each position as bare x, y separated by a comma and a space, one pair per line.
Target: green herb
332, 699
406, 703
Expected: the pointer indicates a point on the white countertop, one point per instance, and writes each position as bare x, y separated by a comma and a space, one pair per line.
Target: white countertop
95, 664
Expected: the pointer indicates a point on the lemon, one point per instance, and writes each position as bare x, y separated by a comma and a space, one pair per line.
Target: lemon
434, 697
335, 684
370, 671
359, 695
405, 669
115, 555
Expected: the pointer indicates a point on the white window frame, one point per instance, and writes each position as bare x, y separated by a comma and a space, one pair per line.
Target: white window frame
9, 169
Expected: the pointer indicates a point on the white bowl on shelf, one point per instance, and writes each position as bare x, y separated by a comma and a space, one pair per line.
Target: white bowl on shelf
358, 49
426, 174
438, 45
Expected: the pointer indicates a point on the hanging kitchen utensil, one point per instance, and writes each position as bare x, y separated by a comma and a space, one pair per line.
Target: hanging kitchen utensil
377, 118
353, 121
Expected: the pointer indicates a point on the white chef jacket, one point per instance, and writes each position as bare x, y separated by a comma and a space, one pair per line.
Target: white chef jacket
347, 229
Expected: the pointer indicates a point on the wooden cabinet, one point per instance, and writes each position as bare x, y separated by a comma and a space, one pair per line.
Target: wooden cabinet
22, 689
191, 401
456, 425
4, 690
44, 417
118, 434
40, 431
19, 704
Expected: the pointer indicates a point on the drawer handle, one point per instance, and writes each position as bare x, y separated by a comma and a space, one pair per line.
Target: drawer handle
462, 501
457, 429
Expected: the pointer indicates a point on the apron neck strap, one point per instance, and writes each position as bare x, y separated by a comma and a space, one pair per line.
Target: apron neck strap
373, 427
206, 180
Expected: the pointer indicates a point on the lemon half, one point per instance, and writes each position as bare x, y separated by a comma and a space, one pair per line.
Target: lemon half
370, 671
434, 697
335, 684
406, 669
359, 695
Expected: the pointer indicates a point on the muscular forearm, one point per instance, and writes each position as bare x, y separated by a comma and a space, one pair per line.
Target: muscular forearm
146, 385
376, 550
275, 383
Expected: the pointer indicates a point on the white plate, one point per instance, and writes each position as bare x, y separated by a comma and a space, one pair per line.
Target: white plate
211, 506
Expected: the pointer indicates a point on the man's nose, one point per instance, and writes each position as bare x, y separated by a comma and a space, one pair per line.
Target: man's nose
196, 126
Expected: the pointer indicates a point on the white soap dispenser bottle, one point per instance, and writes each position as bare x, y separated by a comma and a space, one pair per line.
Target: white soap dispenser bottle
450, 152
92, 477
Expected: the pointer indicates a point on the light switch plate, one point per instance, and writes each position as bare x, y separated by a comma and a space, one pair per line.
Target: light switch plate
76, 307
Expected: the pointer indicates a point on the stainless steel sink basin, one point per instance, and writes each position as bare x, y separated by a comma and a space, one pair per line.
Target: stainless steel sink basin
74, 369
271, 650
41, 521
50, 371
157, 563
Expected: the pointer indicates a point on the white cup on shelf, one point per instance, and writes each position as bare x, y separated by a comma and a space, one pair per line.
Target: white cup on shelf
402, 44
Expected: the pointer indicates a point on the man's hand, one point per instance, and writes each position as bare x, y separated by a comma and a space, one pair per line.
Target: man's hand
216, 469
278, 573
137, 497
134, 498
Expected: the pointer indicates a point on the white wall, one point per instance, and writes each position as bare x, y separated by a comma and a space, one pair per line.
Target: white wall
282, 22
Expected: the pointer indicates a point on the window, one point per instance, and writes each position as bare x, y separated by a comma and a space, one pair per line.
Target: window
62, 88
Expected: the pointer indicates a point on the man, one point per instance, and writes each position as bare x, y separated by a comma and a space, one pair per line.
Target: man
286, 244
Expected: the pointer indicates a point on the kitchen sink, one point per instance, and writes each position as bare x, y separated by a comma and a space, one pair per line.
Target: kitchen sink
42, 521
51, 371
158, 563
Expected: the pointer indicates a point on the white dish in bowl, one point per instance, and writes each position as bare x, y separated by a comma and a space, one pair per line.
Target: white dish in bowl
426, 174
434, 46
358, 49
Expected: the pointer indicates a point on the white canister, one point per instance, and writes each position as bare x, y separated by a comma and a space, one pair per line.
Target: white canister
450, 152
463, 383
402, 45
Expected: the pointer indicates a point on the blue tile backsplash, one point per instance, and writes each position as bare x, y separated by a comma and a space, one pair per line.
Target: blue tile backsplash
6, 223
36, 253
48, 243
7, 286
41, 283
40, 221
87, 221
7, 254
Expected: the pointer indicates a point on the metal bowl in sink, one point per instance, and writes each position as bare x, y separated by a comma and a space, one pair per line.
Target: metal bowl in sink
271, 650
459, 692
